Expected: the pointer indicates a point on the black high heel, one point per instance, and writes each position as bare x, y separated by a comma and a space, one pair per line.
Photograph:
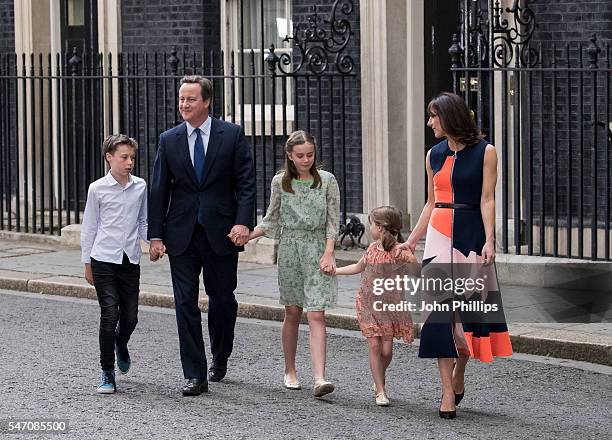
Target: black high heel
446, 414
459, 398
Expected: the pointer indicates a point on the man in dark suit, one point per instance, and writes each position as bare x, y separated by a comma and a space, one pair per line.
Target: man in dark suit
202, 193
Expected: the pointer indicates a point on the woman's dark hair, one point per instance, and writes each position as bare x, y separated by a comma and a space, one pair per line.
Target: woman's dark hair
390, 219
299, 137
455, 117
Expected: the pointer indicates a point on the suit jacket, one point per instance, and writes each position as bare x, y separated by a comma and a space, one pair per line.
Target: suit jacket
226, 196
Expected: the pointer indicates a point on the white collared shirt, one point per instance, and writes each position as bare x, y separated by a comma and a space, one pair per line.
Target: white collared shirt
191, 135
114, 221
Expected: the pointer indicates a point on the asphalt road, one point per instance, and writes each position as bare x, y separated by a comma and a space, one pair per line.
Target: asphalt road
49, 369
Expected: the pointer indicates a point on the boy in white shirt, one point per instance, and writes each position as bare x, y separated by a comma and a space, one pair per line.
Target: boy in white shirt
114, 222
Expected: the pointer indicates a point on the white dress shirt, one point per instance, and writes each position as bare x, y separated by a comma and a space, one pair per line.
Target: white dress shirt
114, 221
191, 136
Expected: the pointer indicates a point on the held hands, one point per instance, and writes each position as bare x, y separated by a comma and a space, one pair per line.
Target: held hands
327, 264
488, 253
156, 250
88, 274
409, 244
239, 235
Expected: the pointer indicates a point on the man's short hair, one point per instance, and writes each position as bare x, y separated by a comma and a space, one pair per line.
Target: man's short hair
206, 86
112, 142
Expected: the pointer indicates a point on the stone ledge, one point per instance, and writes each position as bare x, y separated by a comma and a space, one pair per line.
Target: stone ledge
32, 238
71, 236
562, 273
520, 270
262, 250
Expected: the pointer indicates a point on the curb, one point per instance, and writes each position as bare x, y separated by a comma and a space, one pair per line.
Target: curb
580, 351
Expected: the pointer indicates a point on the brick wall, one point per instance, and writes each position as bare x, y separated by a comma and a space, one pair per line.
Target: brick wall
7, 26
157, 25
564, 24
565, 20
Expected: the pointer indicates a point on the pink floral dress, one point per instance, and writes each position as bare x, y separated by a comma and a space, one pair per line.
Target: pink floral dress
373, 319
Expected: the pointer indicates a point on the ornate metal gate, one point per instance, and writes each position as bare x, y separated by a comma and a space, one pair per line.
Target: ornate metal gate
547, 108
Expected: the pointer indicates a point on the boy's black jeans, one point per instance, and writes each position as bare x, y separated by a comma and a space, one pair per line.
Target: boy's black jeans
117, 287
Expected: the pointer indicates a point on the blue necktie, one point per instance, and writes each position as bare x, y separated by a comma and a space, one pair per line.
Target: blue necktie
198, 156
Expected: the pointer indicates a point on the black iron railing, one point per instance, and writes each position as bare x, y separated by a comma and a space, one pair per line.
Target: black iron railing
546, 107
55, 110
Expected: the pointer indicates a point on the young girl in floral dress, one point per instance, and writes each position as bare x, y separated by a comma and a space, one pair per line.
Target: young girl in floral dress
378, 324
304, 215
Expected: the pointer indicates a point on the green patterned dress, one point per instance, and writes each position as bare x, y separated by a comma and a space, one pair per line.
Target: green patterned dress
302, 222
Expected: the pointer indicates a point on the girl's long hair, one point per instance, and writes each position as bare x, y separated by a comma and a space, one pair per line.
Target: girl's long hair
299, 137
390, 219
455, 117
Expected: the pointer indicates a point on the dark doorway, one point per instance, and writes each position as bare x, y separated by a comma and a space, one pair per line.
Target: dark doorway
440, 24
81, 98
79, 25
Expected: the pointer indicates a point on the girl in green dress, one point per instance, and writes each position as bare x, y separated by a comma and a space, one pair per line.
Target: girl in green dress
304, 215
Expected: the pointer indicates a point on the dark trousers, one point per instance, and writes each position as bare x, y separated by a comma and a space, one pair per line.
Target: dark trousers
117, 287
219, 273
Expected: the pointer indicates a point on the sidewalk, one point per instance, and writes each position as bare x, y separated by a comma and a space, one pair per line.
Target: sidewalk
577, 332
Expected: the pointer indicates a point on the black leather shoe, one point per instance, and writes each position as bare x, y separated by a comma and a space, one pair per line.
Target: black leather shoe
195, 387
215, 374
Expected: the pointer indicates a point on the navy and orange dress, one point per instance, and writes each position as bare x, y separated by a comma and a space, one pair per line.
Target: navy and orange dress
453, 246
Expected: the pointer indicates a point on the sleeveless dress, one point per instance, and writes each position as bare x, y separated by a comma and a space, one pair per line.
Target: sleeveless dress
373, 322
454, 241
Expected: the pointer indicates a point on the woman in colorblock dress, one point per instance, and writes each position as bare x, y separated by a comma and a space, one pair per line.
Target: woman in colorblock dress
304, 215
459, 222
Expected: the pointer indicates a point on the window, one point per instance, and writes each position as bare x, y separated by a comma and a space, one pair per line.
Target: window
251, 25
76, 12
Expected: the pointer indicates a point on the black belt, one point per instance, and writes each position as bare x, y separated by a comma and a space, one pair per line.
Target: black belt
468, 206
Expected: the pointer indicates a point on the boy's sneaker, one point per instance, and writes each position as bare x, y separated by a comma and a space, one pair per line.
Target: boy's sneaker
123, 359
107, 382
